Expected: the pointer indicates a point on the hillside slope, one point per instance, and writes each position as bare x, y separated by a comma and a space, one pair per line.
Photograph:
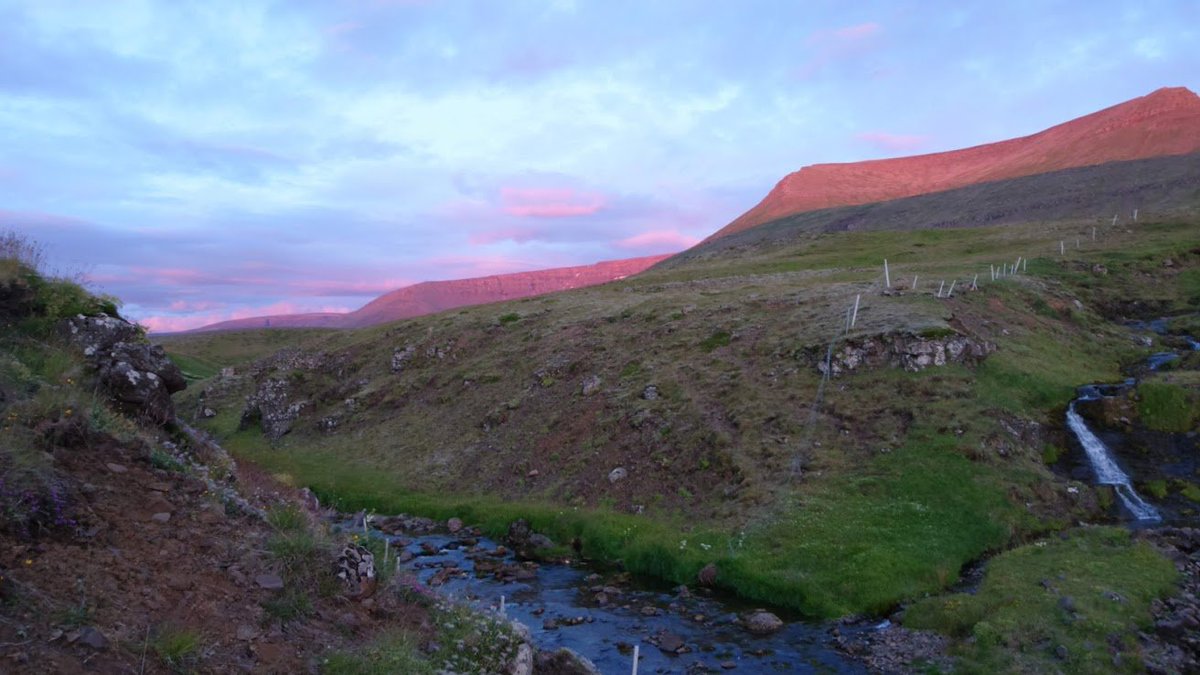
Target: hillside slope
1089, 195
1164, 122
436, 296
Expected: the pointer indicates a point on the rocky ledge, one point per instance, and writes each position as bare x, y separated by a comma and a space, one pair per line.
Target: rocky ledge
902, 350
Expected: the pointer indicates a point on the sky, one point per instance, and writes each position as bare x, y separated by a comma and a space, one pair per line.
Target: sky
213, 160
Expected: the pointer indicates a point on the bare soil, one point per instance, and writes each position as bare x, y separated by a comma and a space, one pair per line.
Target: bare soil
107, 597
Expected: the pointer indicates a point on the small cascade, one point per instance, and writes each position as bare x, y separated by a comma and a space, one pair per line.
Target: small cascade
1103, 463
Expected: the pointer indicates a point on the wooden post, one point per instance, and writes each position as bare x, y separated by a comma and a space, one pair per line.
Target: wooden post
975, 283
854, 317
915, 277
1062, 248
636, 656
950, 293
387, 546
887, 277
502, 610
1025, 265
992, 269
940, 287
1018, 264
1114, 220
1135, 215
1093, 233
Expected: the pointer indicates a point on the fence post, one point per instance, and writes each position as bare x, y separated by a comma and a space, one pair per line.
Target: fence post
950, 293
940, 287
854, 317
887, 277
636, 653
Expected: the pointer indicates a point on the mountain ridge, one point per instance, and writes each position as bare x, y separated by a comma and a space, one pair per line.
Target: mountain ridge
1164, 122
428, 297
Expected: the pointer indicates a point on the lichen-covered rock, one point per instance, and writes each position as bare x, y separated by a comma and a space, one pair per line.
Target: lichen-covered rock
138, 376
904, 350
590, 385
271, 406
401, 356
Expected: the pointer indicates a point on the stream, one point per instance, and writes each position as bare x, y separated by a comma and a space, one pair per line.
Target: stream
602, 617
1105, 467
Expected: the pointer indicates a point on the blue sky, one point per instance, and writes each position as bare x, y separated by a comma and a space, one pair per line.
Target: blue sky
208, 160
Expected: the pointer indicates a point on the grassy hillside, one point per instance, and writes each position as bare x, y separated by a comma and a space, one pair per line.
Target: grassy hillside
878, 491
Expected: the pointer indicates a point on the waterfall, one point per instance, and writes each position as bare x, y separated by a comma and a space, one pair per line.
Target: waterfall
1105, 466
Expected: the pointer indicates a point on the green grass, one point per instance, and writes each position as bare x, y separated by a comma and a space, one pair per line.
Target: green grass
1164, 406
1083, 591
394, 652
917, 514
179, 648
195, 368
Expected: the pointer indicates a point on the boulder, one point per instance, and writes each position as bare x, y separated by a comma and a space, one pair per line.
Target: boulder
617, 474
524, 541
590, 385
136, 375
563, 662
271, 406
762, 622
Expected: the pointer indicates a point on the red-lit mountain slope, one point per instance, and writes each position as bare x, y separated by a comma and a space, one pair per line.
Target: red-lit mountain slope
1165, 122
436, 296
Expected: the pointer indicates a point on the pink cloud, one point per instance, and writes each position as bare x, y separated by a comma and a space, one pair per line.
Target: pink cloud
194, 306
893, 142
661, 240
549, 202
858, 32
839, 44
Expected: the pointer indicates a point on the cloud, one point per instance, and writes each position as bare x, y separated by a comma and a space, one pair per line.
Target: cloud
893, 142
839, 45
659, 241
549, 202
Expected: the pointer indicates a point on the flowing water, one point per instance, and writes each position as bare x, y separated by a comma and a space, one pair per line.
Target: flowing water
1108, 472
560, 605
1100, 456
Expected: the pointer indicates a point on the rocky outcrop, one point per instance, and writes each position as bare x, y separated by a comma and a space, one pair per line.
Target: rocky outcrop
138, 376
271, 406
904, 350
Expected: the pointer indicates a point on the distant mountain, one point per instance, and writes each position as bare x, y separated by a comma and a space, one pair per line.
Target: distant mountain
436, 296
1158, 187
1165, 122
